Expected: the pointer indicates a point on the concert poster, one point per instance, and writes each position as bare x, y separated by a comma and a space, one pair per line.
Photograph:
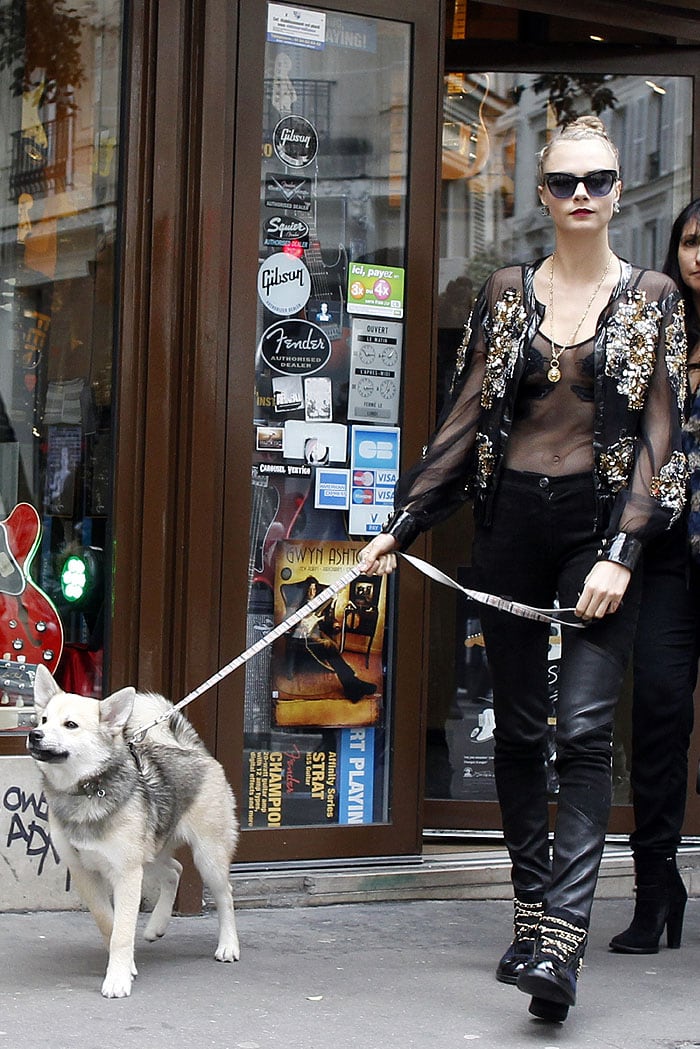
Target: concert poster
327, 671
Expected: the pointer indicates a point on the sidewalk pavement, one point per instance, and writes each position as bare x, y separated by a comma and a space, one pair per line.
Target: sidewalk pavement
398, 975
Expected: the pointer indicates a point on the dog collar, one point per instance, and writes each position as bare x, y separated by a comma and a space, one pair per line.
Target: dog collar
91, 788
94, 787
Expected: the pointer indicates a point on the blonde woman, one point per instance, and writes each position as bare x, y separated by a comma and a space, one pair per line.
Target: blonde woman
565, 430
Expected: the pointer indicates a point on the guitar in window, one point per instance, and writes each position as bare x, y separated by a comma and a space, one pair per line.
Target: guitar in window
325, 305
31, 631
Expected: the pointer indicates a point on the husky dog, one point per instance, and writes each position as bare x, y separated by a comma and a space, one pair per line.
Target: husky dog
115, 812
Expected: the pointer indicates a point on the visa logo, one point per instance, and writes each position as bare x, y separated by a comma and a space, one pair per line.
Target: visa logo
386, 476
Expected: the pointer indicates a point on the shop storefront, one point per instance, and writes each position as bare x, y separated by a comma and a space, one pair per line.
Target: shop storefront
239, 243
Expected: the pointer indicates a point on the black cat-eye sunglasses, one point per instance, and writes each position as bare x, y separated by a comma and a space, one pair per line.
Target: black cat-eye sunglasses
598, 183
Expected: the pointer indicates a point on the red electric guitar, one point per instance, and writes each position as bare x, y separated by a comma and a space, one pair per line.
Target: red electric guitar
30, 628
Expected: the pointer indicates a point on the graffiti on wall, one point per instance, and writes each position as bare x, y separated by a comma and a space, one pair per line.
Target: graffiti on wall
28, 835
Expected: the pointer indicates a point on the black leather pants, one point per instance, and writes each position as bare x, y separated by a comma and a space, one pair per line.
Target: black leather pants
541, 544
666, 652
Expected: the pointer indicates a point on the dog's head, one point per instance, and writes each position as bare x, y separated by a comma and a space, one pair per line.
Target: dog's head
77, 731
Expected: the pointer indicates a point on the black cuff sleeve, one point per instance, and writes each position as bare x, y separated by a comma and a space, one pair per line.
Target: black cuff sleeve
404, 528
621, 549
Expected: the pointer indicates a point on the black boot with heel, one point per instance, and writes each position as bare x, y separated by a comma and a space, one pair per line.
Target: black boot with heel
552, 975
660, 903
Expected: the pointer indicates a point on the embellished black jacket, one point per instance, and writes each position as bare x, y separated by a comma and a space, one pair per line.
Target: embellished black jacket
640, 471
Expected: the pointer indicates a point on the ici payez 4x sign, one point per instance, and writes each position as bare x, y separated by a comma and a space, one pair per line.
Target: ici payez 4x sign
374, 469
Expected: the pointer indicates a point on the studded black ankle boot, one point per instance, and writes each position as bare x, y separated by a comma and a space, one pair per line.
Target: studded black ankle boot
660, 899
552, 974
526, 917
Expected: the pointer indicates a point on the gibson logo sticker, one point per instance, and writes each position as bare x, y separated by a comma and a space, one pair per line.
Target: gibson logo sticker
295, 141
280, 230
295, 347
291, 192
284, 284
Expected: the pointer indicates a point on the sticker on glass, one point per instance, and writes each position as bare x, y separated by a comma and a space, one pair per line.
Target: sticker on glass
281, 230
284, 284
290, 192
298, 26
295, 141
295, 347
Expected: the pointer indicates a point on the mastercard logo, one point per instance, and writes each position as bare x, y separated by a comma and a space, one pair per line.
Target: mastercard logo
362, 496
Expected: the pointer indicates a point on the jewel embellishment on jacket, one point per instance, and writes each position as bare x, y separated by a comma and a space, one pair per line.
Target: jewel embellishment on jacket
616, 463
505, 334
631, 347
677, 353
461, 357
670, 487
486, 459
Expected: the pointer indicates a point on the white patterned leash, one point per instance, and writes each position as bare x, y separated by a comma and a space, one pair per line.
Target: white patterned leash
296, 617
545, 615
561, 616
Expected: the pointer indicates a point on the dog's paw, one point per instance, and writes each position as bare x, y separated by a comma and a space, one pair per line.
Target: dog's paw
227, 952
117, 984
154, 931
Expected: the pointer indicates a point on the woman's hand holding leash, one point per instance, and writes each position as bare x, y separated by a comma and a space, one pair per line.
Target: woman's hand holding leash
378, 556
603, 590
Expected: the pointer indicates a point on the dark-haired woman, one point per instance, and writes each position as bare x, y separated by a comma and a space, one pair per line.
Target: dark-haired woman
666, 653
565, 426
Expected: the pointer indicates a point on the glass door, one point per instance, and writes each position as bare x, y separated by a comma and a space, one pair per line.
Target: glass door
329, 299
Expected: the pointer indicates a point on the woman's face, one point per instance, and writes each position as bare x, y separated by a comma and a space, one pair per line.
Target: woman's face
689, 256
582, 210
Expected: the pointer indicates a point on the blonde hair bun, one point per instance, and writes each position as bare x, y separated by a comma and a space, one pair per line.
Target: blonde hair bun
589, 121
588, 126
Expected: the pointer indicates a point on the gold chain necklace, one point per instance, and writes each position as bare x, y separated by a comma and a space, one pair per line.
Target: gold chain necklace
554, 373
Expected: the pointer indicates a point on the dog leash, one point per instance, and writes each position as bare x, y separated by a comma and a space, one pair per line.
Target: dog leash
296, 617
560, 616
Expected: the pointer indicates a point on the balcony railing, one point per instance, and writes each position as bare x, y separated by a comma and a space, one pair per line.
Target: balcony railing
41, 164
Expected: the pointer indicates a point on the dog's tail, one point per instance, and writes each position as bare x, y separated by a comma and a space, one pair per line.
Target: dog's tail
183, 731
177, 730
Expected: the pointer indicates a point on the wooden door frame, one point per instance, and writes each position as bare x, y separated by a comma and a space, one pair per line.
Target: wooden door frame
172, 348
172, 355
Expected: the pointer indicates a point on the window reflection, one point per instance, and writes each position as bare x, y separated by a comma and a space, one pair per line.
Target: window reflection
493, 125
59, 103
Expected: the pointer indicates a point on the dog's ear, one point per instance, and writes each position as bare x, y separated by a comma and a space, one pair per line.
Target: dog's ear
44, 687
115, 709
